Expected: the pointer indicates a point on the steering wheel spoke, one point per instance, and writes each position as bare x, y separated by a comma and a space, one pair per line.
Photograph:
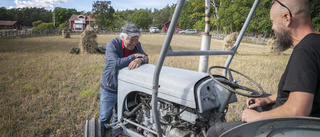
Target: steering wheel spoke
232, 84
230, 75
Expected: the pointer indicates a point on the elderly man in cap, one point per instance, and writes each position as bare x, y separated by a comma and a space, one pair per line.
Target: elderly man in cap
121, 52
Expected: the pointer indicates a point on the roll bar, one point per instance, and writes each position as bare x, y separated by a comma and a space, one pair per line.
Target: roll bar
167, 51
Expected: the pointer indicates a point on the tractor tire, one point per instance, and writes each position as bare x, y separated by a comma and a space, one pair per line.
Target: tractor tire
92, 128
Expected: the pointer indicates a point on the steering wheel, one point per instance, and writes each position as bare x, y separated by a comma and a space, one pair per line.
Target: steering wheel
231, 84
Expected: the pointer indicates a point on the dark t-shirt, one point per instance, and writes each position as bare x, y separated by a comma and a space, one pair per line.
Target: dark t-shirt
302, 72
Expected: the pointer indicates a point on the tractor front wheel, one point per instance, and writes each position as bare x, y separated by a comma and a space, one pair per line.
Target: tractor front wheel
92, 128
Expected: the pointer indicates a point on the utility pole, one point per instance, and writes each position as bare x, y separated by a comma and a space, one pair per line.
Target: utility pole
54, 18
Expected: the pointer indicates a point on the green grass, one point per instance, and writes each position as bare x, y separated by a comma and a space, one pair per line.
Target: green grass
46, 91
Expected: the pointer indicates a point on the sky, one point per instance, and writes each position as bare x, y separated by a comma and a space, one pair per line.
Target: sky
86, 5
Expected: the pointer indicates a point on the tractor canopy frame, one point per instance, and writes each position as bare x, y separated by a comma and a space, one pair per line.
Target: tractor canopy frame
167, 51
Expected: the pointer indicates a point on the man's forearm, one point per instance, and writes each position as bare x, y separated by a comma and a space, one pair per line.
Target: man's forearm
298, 104
271, 99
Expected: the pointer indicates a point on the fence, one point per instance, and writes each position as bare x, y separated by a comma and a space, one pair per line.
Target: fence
27, 33
31, 33
257, 39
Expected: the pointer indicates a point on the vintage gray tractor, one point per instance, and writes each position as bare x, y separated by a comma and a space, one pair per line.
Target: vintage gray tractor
173, 102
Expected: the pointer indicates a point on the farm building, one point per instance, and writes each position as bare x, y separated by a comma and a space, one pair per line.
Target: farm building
9, 25
166, 25
80, 22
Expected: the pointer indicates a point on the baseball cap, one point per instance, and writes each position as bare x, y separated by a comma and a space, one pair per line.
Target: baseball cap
131, 30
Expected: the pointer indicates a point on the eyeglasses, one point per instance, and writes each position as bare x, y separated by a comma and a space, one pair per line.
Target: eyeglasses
283, 6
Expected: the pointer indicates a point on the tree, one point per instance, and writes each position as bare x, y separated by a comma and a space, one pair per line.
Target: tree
192, 12
45, 16
232, 15
118, 21
315, 13
141, 18
185, 21
200, 24
162, 16
127, 15
103, 14
62, 15
3, 14
25, 16
216, 5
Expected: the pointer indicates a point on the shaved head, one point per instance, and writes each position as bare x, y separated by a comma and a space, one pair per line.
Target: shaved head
300, 9
289, 18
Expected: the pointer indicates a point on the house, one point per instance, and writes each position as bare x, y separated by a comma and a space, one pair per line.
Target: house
166, 25
80, 22
9, 25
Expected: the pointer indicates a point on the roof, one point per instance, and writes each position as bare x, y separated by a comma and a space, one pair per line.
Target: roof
166, 23
75, 17
4, 22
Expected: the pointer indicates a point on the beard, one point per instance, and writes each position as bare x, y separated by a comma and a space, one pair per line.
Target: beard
283, 41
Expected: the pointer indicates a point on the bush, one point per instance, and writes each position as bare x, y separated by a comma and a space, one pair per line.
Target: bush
64, 25
36, 23
44, 26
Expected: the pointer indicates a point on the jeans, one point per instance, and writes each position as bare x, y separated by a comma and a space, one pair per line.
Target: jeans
108, 102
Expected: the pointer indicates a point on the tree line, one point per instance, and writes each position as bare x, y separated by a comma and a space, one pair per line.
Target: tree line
225, 15
30, 16
230, 15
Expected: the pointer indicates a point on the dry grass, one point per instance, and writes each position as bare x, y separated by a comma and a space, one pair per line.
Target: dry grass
46, 91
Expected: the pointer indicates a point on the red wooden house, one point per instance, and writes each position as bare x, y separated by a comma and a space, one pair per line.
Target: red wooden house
80, 22
166, 25
9, 25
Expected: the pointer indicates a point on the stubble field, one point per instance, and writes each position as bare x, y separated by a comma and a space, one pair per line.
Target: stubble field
46, 91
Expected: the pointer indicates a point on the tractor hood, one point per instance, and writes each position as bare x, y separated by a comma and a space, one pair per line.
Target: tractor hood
176, 85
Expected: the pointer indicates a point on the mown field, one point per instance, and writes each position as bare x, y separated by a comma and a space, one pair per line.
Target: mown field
46, 91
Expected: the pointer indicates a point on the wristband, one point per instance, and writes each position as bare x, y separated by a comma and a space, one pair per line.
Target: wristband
143, 61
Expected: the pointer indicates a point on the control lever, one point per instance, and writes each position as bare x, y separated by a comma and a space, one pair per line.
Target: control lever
251, 102
259, 109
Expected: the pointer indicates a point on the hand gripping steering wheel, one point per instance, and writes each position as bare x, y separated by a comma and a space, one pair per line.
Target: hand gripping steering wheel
231, 84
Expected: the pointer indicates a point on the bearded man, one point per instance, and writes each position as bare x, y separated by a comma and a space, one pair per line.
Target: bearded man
299, 87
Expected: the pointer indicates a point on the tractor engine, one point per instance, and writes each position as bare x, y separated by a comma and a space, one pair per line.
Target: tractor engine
176, 120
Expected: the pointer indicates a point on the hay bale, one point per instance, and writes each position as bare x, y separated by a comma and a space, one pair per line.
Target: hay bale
88, 43
230, 40
65, 33
273, 48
